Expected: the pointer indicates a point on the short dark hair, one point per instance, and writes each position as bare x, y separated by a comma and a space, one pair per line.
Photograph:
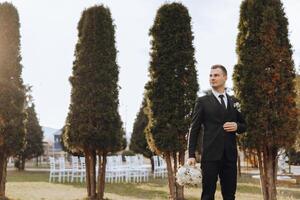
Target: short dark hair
220, 67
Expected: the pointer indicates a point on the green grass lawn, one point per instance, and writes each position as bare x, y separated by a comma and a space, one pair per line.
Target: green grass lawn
35, 186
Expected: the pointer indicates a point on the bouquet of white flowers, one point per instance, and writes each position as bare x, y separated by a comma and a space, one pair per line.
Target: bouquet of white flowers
188, 175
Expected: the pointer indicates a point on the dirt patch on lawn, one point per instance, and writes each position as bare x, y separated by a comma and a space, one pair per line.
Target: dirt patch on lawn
50, 191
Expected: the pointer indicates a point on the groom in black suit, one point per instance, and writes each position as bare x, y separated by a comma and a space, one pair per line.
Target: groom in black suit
221, 120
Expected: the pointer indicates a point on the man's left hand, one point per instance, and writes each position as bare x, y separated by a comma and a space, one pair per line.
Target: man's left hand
230, 126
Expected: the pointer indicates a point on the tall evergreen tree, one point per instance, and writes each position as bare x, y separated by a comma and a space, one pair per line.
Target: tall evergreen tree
138, 142
33, 138
264, 82
12, 91
297, 145
93, 124
172, 89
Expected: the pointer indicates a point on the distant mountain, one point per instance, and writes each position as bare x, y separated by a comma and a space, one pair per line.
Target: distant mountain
49, 134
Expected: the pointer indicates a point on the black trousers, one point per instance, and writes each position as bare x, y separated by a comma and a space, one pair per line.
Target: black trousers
227, 172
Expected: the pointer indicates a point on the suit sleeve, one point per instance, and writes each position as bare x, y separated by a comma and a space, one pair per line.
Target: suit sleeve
241, 123
195, 128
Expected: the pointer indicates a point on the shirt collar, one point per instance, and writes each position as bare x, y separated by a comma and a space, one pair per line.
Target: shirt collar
217, 93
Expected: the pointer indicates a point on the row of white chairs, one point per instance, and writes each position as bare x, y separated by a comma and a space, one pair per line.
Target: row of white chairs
59, 170
133, 170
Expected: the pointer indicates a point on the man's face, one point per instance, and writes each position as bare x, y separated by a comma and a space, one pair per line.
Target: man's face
217, 78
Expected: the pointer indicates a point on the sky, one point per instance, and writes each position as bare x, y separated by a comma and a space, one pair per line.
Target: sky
49, 35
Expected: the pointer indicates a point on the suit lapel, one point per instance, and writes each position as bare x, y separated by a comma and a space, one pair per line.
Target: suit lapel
229, 103
215, 102
230, 107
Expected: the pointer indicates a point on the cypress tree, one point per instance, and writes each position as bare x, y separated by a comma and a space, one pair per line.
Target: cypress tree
93, 125
297, 145
171, 91
33, 138
12, 90
264, 82
138, 141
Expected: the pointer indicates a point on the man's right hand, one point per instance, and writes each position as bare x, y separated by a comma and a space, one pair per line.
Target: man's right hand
191, 161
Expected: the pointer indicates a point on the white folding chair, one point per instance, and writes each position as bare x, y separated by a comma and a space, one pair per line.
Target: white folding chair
63, 171
75, 174
54, 171
82, 169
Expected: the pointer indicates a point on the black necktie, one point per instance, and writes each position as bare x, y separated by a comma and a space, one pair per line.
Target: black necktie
221, 96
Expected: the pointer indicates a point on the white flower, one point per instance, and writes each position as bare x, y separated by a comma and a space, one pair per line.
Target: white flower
237, 106
188, 175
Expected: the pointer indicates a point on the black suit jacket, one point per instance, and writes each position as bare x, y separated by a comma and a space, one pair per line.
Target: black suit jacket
210, 114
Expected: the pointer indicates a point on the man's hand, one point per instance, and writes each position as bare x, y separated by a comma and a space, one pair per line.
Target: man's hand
191, 161
230, 126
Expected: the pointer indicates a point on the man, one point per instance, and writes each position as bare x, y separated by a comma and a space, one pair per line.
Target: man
221, 120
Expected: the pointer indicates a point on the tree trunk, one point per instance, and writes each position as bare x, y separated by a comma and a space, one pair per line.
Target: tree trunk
93, 175
246, 159
289, 155
101, 177
251, 156
239, 166
18, 163
255, 160
267, 160
174, 172
171, 180
87, 171
3, 164
37, 161
99, 174
22, 164
261, 170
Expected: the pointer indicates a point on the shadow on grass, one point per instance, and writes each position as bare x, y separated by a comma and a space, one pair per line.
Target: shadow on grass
153, 188
139, 191
246, 184
24, 176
